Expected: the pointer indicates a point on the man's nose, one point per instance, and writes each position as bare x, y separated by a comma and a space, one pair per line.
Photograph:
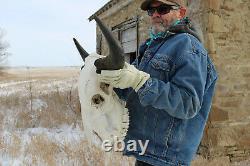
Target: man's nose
156, 14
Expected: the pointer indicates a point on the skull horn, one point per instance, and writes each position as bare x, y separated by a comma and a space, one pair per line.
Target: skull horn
115, 60
82, 52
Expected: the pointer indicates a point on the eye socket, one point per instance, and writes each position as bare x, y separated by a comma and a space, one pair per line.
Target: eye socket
105, 88
97, 100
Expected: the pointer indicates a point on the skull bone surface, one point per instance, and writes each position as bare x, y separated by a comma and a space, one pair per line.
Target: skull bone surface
104, 115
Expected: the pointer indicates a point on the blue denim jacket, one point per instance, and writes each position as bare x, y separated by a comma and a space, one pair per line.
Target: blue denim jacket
171, 108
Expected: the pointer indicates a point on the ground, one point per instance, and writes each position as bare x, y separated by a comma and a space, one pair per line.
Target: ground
40, 122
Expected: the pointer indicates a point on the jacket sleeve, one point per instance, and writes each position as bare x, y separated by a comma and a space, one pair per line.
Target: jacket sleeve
182, 96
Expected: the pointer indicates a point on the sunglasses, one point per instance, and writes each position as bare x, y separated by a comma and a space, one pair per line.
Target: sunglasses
162, 9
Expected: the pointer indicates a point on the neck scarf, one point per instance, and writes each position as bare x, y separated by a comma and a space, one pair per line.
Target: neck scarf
179, 26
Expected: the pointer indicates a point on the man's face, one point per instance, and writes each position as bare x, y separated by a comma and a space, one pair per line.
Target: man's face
161, 22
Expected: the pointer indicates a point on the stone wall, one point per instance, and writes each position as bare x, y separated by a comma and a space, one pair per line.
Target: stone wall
227, 40
224, 24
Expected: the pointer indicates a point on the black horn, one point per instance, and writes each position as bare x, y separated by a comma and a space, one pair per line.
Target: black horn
115, 60
82, 52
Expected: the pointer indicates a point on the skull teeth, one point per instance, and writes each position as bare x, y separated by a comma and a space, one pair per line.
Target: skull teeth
125, 123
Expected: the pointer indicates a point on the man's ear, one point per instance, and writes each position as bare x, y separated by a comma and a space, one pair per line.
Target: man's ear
183, 11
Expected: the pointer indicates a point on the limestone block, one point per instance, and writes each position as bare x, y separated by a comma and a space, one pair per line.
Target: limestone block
228, 6
218, 114
241, 86
214, 4
216, 24
245, 141
239, 115
236, 152
231, 103
237, 159
219, 161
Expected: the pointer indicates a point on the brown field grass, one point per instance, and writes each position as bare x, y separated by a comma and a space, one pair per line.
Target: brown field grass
58, 105
39, 109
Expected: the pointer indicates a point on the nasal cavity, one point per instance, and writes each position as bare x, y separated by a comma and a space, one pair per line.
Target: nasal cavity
97, 99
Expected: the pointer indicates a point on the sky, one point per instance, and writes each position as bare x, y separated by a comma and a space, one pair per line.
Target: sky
40, 32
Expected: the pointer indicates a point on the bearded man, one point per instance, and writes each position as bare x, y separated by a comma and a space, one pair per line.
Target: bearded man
168, 89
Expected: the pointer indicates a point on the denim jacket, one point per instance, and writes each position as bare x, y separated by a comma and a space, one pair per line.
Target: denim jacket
171, 108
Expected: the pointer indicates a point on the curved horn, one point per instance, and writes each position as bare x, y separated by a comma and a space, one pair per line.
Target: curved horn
82, 52
115, 60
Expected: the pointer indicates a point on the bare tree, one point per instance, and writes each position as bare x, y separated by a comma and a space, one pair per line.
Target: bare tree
3, 50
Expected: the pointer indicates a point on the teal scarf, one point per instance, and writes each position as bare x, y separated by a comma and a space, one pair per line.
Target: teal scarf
155, 36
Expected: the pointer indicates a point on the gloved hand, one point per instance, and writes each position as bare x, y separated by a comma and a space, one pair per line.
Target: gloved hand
127, 77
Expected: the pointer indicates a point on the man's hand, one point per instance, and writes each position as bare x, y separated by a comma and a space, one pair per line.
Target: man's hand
127, 77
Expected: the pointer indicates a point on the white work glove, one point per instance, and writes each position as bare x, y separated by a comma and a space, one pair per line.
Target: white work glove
127, 77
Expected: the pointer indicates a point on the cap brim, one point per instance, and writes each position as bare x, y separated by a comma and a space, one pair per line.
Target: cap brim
145, 5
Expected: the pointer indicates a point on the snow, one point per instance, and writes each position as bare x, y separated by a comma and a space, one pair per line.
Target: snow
15, 83
43, 86
37, 104
60, 136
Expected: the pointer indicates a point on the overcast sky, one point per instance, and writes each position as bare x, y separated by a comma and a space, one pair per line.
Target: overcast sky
40, 32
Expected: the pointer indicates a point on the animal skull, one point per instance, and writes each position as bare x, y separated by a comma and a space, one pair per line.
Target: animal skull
104, 115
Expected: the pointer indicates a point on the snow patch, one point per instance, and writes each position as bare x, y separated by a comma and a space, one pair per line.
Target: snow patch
65, 135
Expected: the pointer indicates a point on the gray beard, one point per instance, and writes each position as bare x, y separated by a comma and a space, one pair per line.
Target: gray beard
158, 28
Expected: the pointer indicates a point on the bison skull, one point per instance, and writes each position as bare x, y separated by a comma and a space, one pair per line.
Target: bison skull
104, 115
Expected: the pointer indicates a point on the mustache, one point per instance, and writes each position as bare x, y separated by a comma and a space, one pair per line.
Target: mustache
158, 20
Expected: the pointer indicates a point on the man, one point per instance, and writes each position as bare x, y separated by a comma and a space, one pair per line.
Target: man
168, 89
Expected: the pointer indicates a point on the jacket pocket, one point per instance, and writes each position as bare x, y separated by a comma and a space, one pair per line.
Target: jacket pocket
159, 68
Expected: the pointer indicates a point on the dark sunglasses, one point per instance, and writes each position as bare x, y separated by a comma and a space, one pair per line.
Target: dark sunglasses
162, 9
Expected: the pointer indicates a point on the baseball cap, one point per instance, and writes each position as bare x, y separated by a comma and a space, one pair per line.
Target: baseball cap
146, 4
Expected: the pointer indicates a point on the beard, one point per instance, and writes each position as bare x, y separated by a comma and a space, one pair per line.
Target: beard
158, 27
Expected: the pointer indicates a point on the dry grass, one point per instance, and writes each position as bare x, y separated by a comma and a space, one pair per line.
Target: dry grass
49, 102
43, 102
